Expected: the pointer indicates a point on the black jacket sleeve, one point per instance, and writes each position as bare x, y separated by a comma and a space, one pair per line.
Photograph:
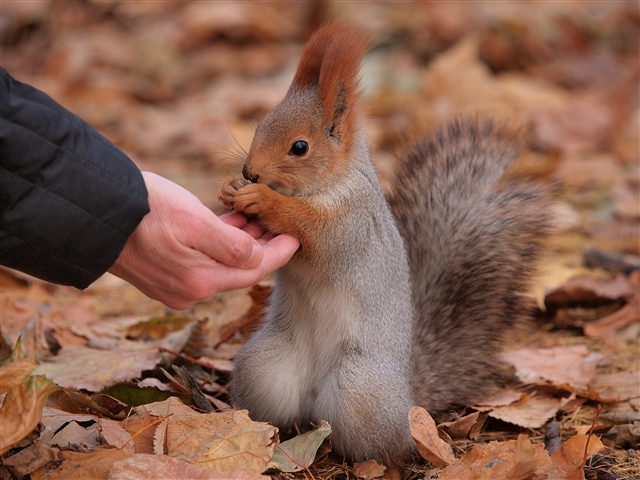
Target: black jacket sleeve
69, 199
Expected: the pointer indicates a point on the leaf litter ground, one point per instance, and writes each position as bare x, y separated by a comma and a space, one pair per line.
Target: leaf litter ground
180, 86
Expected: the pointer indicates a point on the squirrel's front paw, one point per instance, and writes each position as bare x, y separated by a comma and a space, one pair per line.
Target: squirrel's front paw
229, 190
243, 196
251, 199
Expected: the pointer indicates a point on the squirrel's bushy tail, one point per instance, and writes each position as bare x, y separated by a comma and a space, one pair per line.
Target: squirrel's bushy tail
472, 238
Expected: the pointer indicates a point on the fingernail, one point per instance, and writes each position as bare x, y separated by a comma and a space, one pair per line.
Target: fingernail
255, 258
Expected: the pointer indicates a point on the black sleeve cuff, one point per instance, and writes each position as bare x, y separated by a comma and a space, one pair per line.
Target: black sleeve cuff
69, 199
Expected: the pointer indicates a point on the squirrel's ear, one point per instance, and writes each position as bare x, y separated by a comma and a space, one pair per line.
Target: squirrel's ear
330, 62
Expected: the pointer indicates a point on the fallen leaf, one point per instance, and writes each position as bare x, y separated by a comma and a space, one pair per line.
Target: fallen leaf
74, 402
530, 412
115, 407
30, 458
222, 441
618, 386
21, 410
430, 446
16, 369
627, 315
218, 364
299, 452
142, 429
112, 433
524, 459
157, 327
94, 465
551, 277
625, 202
624, 436
90, 369
151, 467
170, 406
573, 365
501, 398
587, 290
53, 419
160, 437
74, 434
497, 460
572, 453
468, 426
368, 469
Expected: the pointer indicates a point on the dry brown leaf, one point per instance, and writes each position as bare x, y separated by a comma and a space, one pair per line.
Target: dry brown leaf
74, 434
618, 386
113, 434
14, 373
572, 453
151, 467
572, 365
30, 458
524, 459
21, 409
502, 398
53, 419
551, 276
160, 437
468, 426
625, 202
479, 90
76, 403
430, 446
368, 469
530, 412
218, 364
82, 466
498, 460
627, 315
157, 327
580, 125
143, 430
170, 406
222, 441
583, 290
90, 369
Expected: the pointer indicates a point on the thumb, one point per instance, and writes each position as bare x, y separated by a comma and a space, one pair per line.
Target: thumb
228, 244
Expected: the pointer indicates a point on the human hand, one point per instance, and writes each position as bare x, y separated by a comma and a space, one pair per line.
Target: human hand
182, 253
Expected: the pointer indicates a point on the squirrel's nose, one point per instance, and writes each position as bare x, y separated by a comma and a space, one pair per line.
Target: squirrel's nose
248, 176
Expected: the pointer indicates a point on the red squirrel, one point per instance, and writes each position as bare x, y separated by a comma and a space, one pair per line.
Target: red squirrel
388, 303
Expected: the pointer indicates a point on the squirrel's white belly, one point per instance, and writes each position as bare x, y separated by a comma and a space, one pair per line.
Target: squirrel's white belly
281, 371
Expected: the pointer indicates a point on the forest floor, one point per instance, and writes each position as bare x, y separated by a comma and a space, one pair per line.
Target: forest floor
180, 86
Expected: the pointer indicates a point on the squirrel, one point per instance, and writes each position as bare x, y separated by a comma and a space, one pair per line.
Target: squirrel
389, 302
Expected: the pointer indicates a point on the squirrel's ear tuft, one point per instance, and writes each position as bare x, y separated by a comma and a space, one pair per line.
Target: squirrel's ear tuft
331, 62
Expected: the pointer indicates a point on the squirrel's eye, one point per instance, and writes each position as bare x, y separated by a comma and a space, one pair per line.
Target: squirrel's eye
299, 148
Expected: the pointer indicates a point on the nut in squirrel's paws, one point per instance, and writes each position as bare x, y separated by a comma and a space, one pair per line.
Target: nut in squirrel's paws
243, 196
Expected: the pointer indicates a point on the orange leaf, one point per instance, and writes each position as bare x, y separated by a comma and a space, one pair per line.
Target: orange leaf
22, 408
570, 456
94, 465
13, 374
431, 447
